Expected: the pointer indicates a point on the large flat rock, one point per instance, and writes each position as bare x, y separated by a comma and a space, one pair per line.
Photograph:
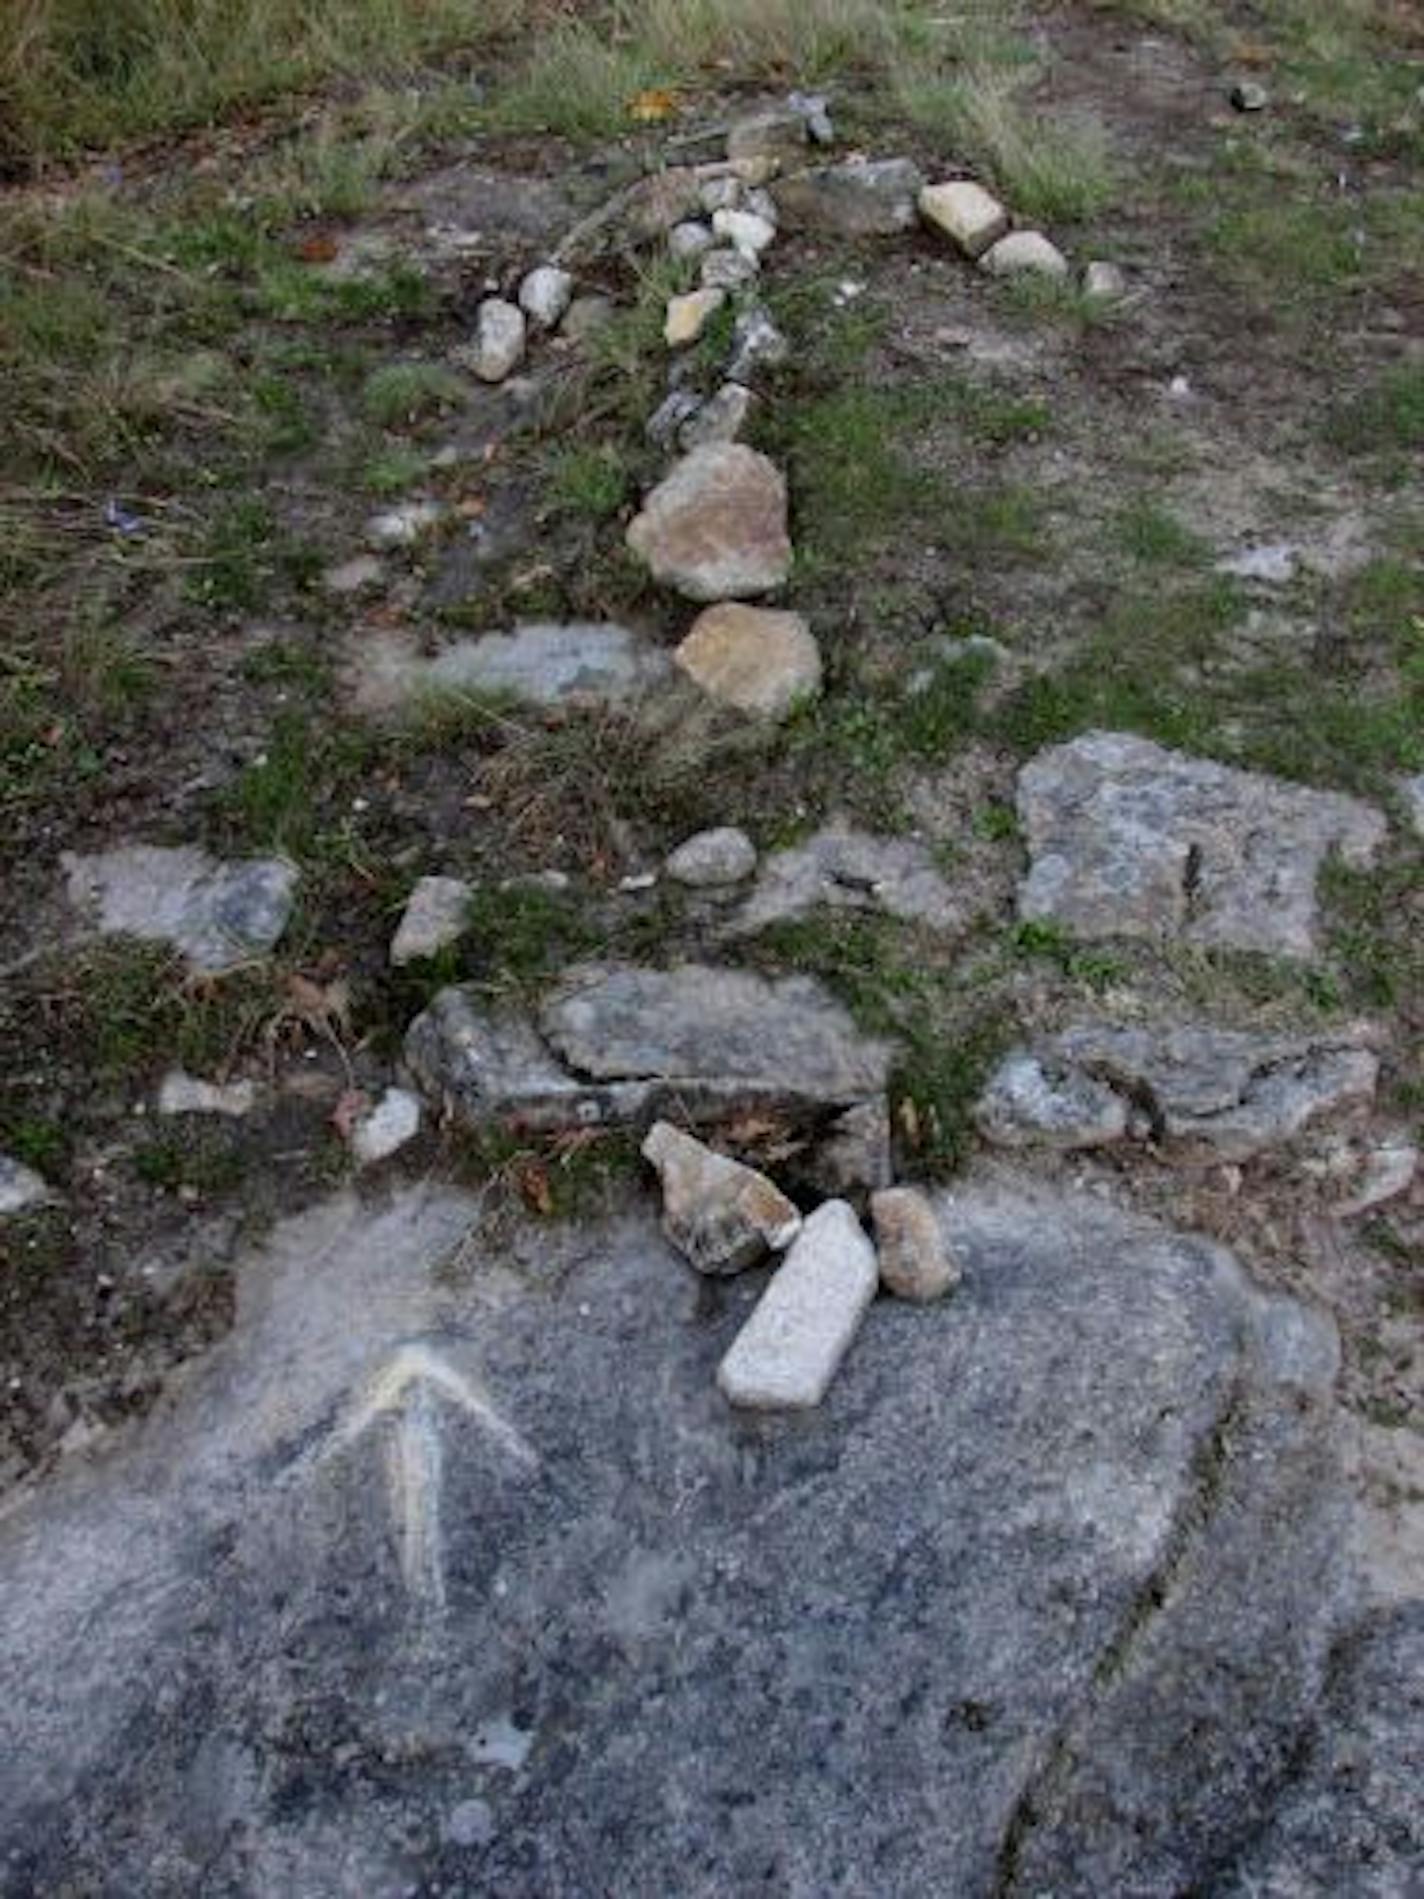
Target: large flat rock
544, 664
450, 1569
1127, 838
215, 914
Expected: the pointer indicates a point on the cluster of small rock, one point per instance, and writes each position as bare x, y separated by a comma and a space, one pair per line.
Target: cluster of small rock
724, 1216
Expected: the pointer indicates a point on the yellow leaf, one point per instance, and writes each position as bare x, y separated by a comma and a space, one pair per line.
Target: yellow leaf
653, 104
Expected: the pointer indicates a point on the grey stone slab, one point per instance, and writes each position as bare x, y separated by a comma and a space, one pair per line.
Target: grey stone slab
1127, 838
842, 868
440, 1575
859, 198
217, 914
539, 664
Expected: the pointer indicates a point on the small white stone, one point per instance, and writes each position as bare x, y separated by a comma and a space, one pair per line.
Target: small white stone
20, 1187
405, 525
727, 270
965, 212
1411, 790
713, 858
690, 239
1024, 253
688, 316
182, 1093
745, 229
393, 1121
437, 913
499, 340
545, 294
353, 576
1104, 281
788, 1351
915, 1261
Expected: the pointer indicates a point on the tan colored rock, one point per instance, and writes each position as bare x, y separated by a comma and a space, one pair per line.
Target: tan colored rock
965, 212
721, 1216
752, 659
689, 315
715, 528
1024, 253
915, 1260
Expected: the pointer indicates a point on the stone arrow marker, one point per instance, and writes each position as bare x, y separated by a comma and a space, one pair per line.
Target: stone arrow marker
405, 1392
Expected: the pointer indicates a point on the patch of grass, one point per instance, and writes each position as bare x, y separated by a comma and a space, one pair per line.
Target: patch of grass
1385, 417
398, 394
1151, 533
869, 730
295, 797
1096, 969
394, 470
520, 937
579, 81
1376, 938
202, 1159
588, 479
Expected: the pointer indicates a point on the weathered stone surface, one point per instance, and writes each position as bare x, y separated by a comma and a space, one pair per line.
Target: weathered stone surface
842, 868
720, 193
1074, 1548
727, 270
1032, 1102
615, 1021
713, 859
436, 914
545, 294
690, 239
357, 575
20, 1187
689, 315
1377, 1168
914, 1256
715, 528
538, 664
719, 419
744, 230
499, 340
386, 1128
721, 1216
181, 1093
790, 1349
406, 525
1129, 839
778, 134
1024, 253
218, 915
587, 316
677, 407
965, 212
860, 198
1104, 281
757, 344
754, 660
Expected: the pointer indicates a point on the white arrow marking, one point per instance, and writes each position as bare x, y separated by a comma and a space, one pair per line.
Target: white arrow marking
405, 1390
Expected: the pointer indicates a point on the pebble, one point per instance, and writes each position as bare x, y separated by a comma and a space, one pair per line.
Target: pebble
1411, 791
689, 315
353, 576
181, 1093
470, 1823
719, 419
965, 212
437, 913
1248, 96
760, 203
720, 194
915, 1261
720, 1215
754, 660
756, 344
728, 270
545, 294
712, 859
812, 107
405, 525
499, 340
749, 233
20, 1187
393, 1121
787, 1353
676, 410
1104, 281
1024, 253
690, 239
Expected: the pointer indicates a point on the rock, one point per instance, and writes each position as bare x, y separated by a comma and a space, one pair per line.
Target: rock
499, 340
21, 1188
436, 914
690, 240
676, 409
1411, 791
1127, 838
965, 212
813, 108
914, 1257
1024, 253
721, 1216
860, 198
1385, 1168
387, 1127
713, 859
760, 203
744, 230
715, 527
1104, 281
756, 661
218, 914
852, 1156
778, 135
1029, 1102
842, 868
719, 419
587, 317
406, 525
770, 1038
720, 194
689, 315
357, 575
470, 1823
790, 1349
756, 344
1275, 563
582, 662
546, 294
1248, 96
727, 270
181, 1093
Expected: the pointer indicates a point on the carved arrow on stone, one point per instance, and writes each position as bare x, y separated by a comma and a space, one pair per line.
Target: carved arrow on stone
405, 1391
